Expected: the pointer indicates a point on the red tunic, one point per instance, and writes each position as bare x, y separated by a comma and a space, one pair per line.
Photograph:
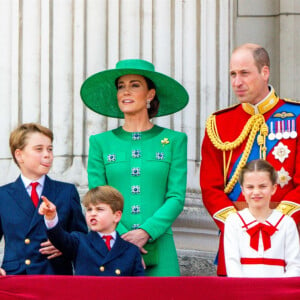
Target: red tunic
230, 123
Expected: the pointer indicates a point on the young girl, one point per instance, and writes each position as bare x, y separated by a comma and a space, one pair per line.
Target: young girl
259, 241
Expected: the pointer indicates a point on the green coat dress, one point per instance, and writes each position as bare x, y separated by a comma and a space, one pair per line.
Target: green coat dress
149, 168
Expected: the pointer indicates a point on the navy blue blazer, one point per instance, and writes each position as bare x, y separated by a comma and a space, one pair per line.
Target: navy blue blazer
91, 257
24, 229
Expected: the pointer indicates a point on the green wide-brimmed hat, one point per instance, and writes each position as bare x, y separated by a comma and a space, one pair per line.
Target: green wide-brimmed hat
99, 91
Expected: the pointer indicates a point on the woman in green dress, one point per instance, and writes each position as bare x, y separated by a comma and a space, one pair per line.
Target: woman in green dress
145, 162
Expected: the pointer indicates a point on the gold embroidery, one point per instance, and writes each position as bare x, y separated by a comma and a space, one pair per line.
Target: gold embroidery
288, 207
255, 124
222, 214
283, 115
262, 107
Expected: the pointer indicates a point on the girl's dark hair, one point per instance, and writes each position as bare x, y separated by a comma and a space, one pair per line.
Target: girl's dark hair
259, 165
154, 104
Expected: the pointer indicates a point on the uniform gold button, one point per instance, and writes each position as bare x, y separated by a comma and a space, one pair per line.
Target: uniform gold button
102, 269
27, 262
27, 241
118, 272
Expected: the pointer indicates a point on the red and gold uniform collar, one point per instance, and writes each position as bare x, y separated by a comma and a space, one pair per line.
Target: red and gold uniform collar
264, 105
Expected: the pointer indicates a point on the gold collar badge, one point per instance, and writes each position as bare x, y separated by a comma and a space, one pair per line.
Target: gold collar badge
283, 115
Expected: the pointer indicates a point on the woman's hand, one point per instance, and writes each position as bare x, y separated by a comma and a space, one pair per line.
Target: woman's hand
2, 272
139, 237
48, 249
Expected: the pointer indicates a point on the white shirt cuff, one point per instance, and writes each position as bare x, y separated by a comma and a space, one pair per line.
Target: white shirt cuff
51, 223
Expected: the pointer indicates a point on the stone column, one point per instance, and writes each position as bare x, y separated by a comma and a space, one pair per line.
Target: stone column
289, 45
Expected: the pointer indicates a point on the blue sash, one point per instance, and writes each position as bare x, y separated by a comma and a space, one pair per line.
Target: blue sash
254, 154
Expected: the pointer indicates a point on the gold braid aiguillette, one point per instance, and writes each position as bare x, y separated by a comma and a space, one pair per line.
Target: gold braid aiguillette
255, 124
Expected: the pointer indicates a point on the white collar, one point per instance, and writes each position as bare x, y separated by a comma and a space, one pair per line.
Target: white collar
113, 234
27, 181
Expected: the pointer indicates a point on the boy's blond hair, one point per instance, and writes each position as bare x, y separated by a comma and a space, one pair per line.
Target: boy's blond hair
18, 138
104, 194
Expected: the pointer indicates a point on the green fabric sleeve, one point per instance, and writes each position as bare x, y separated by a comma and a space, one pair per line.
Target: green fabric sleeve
96, 171
163, 218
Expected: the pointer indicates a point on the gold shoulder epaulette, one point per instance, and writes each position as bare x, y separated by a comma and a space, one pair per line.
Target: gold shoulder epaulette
222, 214
226, 109
288, 207
291, 100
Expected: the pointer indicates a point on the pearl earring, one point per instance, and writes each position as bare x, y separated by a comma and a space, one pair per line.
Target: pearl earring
148, 104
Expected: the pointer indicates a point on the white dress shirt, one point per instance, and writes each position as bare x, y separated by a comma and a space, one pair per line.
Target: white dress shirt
39, 187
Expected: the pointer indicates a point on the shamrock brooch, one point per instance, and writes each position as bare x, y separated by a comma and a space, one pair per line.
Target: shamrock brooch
165, 141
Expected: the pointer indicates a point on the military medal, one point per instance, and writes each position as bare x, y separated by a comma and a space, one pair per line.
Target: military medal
278, 134
271, 135
289, 127
293, 131
286, 133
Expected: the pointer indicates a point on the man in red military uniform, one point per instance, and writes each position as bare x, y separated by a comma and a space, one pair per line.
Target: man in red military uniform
261, 126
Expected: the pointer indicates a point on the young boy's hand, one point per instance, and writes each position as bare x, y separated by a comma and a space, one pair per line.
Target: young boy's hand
47, 208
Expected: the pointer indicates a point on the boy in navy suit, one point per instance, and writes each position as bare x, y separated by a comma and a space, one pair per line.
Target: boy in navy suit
27, 248
92, 255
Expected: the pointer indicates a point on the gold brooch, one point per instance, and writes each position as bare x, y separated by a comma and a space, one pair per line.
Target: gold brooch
165, 141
